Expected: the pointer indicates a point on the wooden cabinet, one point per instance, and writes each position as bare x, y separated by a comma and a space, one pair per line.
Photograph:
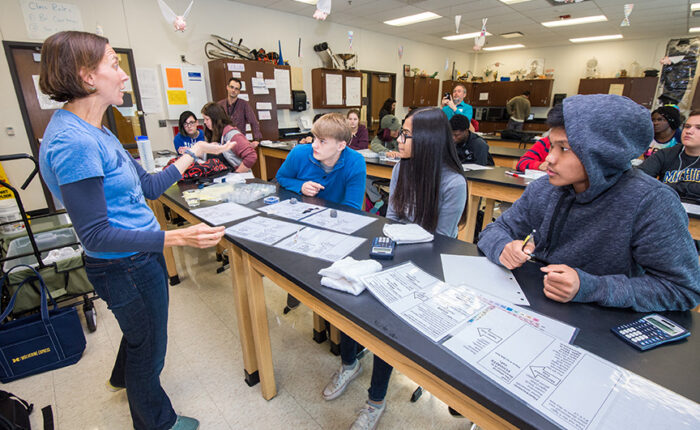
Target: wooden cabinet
419, 91
641, 90
219, 74
322, 95
498, 93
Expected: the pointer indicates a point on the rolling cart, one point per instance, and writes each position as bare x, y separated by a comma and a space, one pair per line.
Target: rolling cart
63, 271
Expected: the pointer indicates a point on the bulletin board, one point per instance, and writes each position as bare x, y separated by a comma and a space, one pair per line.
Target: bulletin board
259, 85
184, 88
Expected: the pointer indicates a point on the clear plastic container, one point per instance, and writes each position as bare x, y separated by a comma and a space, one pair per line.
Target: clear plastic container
49, 239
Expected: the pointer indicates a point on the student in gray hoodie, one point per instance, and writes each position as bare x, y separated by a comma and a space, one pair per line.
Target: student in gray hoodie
610, 234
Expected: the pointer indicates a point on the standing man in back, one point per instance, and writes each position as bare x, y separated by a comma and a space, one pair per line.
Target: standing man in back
519, 109
240, 111
456, 104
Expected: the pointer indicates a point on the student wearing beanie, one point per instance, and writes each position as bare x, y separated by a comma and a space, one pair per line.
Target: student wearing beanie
667, 121
605, 232
385, 140
470, 147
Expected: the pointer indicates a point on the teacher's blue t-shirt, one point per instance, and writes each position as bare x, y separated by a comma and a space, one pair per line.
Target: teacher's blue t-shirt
73, 150
462, 109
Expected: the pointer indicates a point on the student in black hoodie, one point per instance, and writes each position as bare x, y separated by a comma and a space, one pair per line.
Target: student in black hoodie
470, 147
679, 166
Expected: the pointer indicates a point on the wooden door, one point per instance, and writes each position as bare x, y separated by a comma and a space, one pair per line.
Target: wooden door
541, 92
381, 88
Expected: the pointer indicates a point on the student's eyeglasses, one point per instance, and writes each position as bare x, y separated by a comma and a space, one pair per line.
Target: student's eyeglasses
234, 88
190, 123
405, 134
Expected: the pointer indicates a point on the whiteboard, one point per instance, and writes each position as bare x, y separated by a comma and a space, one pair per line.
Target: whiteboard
353, 90
184, 88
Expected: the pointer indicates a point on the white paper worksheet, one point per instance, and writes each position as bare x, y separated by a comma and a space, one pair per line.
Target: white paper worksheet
343, 222
322, 244
481, 274
437, 309
223, 213
295, 211
568, 385
263, 230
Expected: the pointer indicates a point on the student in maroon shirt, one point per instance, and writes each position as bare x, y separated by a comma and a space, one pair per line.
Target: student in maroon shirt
240, 111
360, 135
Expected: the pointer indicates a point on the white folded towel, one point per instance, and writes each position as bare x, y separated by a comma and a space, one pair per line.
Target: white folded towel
407, 233
345, 274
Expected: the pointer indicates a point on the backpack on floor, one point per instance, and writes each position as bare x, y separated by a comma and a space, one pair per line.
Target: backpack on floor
14, 412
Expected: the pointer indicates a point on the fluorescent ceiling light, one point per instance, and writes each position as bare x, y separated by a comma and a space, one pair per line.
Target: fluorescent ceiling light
513, 1
502, 47
694, 7
307, 1
512, 35
406, 20
596, 38
575, 21
693, 29
464, 36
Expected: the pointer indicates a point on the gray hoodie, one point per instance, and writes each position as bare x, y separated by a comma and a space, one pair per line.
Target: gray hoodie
627, 234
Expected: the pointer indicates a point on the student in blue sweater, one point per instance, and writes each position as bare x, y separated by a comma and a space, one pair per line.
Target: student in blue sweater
189, 134
611, 234
427, 188
327, 168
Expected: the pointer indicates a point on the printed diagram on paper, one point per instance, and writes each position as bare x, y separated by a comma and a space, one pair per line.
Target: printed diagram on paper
224, 213
344, 222
437, 309
568, 385
296, 211
322, 244
263, 230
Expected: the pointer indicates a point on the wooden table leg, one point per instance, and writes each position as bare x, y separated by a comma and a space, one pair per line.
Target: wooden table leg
467, 234
240, 295
260, 329
335, 340
488, 213
319, 329
159, 212
263, 164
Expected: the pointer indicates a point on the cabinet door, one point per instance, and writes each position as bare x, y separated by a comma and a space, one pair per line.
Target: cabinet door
408, 91
432, 90
642, 90
499, 94
482, 93
541, 92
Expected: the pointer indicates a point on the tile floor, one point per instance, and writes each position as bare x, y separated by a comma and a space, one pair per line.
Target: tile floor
204, 369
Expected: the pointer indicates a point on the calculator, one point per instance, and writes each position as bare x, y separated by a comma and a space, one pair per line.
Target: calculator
382, 248
650, 331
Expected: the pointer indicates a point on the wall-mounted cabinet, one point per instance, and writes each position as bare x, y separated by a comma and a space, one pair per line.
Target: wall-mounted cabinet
498, 93
641, 90
336, 89
418, 91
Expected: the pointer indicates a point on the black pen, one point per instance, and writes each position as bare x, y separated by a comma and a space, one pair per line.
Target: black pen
534, 259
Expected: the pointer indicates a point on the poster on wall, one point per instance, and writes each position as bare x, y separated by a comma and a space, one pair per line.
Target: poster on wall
678, 71
44, 18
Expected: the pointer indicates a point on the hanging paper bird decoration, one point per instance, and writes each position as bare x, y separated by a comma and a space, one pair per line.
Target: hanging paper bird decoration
628, 11
458, 20
481, 38
178, 21
323, 9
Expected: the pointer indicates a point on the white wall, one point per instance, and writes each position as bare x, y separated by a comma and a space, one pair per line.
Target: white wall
137, 24
569, 62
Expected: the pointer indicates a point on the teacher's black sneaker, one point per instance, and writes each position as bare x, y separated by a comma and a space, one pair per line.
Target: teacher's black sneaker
340, 380
368, 418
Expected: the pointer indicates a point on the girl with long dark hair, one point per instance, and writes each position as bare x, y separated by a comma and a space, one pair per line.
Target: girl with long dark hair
428, 188
219, 128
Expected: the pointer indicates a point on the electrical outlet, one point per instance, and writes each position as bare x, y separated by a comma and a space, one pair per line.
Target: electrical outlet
161, 123
182, 58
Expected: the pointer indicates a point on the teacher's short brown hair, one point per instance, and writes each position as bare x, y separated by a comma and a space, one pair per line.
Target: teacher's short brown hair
63, 56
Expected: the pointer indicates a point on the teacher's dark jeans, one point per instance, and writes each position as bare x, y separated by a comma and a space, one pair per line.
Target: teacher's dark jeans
381, 371
136, 291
